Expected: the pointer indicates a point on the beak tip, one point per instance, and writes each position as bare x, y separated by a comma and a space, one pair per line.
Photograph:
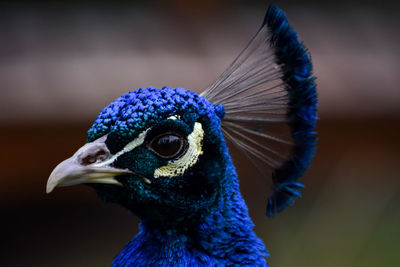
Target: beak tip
49, 188
52, 183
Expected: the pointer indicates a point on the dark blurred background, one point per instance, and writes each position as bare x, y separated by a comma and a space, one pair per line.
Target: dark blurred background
60, 64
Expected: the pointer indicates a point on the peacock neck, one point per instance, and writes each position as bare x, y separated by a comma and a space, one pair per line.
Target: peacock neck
227, 232
223, 237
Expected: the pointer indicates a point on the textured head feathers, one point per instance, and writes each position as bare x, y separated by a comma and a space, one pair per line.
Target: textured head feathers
137, 110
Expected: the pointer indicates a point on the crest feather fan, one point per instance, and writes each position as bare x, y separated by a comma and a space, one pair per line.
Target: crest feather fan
267, 92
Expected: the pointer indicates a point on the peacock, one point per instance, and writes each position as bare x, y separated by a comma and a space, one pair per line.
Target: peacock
163, 154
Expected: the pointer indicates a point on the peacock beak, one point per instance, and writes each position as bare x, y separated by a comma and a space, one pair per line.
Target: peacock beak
90, 164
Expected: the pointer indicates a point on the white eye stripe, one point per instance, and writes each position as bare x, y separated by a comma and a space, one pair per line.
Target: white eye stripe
129, 147
179, 166
174, 117
174, 167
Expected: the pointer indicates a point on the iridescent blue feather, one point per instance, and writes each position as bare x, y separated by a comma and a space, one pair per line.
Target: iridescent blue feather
303, 108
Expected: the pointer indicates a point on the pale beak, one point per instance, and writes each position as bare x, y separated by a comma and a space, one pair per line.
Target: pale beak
87, 165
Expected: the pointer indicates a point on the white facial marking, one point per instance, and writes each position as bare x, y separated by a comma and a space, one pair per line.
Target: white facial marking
174, 117
147, 181
129, 147
179, 166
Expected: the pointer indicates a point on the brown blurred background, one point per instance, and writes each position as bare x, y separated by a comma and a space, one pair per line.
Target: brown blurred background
60, 64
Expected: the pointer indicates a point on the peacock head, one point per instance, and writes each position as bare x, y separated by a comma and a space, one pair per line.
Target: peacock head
158, 152
161, 152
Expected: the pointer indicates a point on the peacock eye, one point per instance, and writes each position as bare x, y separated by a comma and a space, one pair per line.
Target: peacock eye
169, 145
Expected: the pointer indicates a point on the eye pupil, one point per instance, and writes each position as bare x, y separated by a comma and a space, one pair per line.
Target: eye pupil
168, 145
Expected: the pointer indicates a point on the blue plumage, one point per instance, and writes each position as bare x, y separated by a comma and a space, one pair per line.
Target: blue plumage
161, 153
303, 108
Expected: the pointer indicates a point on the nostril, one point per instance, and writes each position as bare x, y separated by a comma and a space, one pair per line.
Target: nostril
101, 155
98, 156
89, 159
